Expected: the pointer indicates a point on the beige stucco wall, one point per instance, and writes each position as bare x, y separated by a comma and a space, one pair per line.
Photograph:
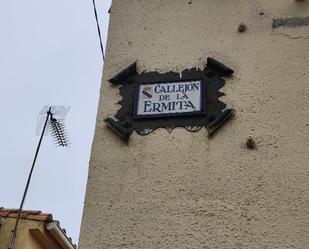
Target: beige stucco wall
183, 190
24, 239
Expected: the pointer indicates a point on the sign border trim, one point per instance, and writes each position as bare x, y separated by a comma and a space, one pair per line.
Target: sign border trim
182, 114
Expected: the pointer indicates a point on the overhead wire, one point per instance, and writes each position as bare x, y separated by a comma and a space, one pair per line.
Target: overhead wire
98, 27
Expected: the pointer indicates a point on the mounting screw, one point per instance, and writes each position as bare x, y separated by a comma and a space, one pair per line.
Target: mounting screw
251, 144
242, 27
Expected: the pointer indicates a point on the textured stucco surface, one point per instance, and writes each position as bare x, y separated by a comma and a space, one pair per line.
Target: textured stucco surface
183, 190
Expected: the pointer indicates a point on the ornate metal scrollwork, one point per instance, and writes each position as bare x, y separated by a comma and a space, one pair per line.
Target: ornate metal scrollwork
215, 111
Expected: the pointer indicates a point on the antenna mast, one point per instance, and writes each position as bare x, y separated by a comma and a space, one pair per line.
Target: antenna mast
57, 131
13, 235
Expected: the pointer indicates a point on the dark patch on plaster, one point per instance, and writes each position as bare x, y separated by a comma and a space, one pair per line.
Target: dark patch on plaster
242, 27
291, 22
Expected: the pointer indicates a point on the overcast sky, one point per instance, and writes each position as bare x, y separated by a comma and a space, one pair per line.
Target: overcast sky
49, 55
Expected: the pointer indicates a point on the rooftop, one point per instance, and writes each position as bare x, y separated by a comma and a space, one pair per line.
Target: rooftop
26, 214
50, 224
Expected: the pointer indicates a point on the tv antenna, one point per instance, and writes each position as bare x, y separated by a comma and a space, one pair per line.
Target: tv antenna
50, 118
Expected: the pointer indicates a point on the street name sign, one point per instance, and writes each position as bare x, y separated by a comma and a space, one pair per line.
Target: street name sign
169, 98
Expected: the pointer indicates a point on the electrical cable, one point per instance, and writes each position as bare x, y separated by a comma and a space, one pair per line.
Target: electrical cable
98, 26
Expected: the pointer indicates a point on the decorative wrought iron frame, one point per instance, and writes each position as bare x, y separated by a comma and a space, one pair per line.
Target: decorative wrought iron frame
214, 116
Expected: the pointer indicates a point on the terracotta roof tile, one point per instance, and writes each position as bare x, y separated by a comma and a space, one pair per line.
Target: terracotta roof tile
26, 214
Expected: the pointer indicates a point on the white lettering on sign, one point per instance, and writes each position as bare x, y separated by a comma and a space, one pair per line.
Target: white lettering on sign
180, 97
